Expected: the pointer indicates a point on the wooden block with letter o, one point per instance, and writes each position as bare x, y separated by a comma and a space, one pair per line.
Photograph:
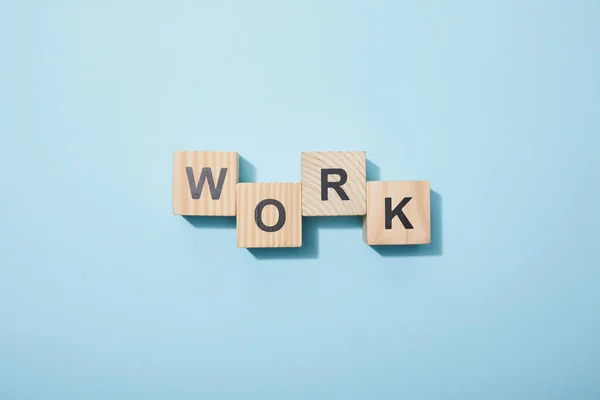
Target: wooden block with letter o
204, 182
398, 212
334, 183
269, 215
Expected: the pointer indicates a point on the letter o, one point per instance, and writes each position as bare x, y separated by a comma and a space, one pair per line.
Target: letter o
258, 215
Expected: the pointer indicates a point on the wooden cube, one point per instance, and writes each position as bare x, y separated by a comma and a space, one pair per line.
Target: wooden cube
269, 215
204, 183
398, 212
334, 183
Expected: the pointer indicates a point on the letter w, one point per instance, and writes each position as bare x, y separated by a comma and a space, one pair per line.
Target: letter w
206, 174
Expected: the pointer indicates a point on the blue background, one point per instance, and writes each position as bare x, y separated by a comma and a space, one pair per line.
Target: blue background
104, 294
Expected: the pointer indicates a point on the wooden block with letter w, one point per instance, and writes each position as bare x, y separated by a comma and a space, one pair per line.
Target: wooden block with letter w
204, 183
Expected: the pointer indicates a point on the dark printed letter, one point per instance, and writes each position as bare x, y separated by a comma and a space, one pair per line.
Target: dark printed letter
337, 186
258, 215
206, 175
396, 212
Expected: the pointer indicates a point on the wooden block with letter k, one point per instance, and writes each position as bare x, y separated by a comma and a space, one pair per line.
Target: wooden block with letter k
398, 212
204, 183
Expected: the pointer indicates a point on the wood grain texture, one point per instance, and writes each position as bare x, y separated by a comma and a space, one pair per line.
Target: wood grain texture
249, 195
183, 201
355, 165
416, 210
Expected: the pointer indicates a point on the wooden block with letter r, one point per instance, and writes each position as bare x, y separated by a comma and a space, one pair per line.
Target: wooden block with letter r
269, 215
334, 183
398, 212
204, 182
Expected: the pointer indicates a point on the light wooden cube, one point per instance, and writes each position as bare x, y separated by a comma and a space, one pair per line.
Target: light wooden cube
204, 182
398, 212
269, 215
334, 183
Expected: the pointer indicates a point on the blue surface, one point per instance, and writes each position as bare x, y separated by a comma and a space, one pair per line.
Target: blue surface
104, 294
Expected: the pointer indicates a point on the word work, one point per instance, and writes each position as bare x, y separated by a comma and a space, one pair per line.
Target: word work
333, 183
